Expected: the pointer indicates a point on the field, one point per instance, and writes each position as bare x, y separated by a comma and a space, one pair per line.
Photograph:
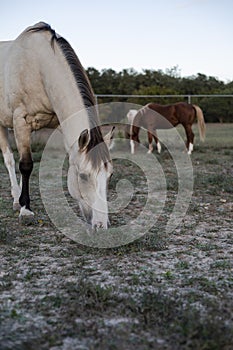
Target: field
163, 291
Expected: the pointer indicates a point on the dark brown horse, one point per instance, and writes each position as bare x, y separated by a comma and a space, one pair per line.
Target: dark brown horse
154, 116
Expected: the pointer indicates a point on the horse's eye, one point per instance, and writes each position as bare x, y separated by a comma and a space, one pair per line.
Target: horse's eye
83, 176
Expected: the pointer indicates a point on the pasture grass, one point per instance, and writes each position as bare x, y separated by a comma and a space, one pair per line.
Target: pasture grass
162, 291
218, 136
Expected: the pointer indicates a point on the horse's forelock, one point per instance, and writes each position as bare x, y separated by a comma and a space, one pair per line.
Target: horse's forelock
97, 151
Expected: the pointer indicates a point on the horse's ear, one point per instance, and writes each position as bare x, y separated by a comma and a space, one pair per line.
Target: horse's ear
83, 140
108, 138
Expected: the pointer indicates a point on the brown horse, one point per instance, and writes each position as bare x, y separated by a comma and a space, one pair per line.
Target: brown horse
154, 116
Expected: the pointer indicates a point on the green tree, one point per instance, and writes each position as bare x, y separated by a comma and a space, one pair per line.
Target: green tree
152, 82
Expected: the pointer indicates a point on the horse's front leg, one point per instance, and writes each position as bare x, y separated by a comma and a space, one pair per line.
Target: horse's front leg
150, 141
23, 139
151, 136
25, 167
134, 138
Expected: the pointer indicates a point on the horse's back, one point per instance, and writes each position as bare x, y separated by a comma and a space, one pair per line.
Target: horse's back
21, 83
176, 113
162, 109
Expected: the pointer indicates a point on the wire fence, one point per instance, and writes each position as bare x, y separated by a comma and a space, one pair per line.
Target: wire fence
189, 97
216, 107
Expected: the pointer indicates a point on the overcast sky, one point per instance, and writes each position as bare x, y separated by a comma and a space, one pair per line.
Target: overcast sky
195, 35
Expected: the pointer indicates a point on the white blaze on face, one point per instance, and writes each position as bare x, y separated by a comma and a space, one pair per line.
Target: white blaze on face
100, 206
89, 187
87, 181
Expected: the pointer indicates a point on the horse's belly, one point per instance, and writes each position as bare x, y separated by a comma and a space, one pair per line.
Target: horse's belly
166, 122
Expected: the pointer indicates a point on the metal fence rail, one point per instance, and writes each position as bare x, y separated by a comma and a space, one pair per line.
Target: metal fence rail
188, 96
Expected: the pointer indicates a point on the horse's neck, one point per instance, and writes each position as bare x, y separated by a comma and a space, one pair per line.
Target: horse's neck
63, 92
64, 96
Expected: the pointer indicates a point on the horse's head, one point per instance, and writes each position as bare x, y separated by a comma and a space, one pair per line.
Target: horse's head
131, 114
134, 117
89, 171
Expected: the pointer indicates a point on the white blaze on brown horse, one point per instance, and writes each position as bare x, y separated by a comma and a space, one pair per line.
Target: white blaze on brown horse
154, 116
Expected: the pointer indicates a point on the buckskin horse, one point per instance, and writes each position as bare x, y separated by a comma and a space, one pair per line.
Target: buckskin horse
43, 84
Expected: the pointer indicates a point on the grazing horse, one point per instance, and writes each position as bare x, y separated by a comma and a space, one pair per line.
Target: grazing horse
43, 84
154, 116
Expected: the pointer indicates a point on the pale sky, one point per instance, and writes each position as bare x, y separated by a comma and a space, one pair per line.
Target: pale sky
195, 35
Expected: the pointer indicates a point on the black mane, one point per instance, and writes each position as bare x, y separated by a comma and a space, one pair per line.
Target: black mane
75, 65
86, 91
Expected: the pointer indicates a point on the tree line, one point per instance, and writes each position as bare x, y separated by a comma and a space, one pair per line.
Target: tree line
152, 82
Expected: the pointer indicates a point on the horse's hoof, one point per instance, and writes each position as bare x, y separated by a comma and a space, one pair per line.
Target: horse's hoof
16, 206
26, 216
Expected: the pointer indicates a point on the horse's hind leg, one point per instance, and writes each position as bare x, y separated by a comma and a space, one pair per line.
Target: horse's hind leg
10, 165
190, 137
158, 144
